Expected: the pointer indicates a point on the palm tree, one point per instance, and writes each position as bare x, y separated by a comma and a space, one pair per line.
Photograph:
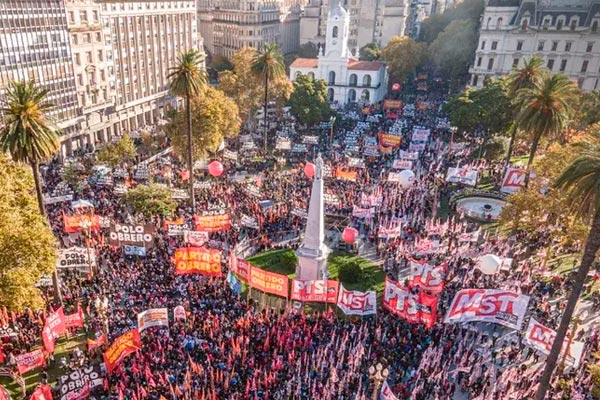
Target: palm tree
187, 79
546, 108
29, 136
267, 64
581, 181
522, 78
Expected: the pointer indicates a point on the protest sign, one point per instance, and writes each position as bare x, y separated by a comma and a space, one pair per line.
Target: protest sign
386, 392
389, 140
402, 164
428, 277
197, 260
513, 180
54, 326
249, 222
359, 212
240, 267
123, 346
179, 313
216, 222
392, 104
488, 305
152, 317
195, 238
8, 331
268, 282
133, 235
74, 320
541, 338
419, 308
72, 384
318, 291
74, 223
346, 175
76, 257
29, 361
43, 392
353, 302
230, 155
466, 176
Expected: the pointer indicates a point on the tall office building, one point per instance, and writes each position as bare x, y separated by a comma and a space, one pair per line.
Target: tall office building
146, 38
371, 21
229, 25
34, 44
564, 33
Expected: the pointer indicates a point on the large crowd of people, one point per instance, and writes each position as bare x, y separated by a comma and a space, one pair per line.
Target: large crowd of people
229, 347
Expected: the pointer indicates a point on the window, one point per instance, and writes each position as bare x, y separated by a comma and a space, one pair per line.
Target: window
88, 56
335, 32
487, 25
475, 80
515, 62
519, 45
541, 45
77, 59
563, 65
499, 23
584, 65
353, 80
595, 26
366, 80
494, 45
554, 45
559, 24
100, 56
479, 61
95, 15
71, 16
589, 47
98, 37
574, 22
483, 45
568, 46
546, 24
524, 24
331, 77
87, 38
490, 64
75, 39
83, 16
80, 79
550, 64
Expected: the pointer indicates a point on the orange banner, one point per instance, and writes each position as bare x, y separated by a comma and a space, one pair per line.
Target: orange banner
74, 223
268, 282
345, 175
212, 223
123, 346
389, 104
389, 140
197, 260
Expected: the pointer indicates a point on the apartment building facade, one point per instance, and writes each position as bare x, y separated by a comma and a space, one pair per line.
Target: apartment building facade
564, 33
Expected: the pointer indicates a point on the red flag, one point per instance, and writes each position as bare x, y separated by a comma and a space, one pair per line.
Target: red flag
54, 326
44, 392
95, 343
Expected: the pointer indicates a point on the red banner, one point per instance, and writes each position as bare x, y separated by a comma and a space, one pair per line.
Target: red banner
240, 267
74, 223
28, 361
43, 392
198, 260
389, 104
428, 277
95, 343
268, 282
53, 328
123, 346
318, 291
213, 223
389, 140
419, 308
74, 320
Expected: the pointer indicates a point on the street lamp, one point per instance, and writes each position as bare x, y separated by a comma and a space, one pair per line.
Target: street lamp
377, 373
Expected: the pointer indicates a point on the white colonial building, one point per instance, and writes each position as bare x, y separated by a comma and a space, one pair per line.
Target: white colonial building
563, 32
348, 79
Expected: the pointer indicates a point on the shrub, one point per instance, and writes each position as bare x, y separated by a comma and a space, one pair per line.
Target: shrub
350, 272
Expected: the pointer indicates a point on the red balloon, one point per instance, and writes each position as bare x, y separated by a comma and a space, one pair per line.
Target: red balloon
215, 168
309, 169
396, 86
349, 235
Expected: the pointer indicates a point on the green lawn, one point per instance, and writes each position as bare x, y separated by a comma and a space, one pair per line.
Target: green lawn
284, 262
32, 378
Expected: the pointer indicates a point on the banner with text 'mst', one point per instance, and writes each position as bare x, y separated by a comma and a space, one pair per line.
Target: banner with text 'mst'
197, 260
213, 223
488, 305
353, 302
513, 180
419, 308
153, 317
268, 282
317, 291
541, 338
28, 361
123, 346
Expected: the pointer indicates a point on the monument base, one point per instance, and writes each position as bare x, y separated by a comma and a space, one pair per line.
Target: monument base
311, 264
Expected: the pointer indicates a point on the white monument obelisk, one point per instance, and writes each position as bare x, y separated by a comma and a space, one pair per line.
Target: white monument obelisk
312, 253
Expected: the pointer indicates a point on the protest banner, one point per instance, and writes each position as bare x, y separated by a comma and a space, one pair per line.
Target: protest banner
389, 232
8, 331
54, 326
514, 180
95, 343
76, 257
139, 251
541, 338
132, 235
392, 104
420, 135
268, 282
317, 291
179, 313
429, 278
74, 320
353, 302
389, 140
197, 260
402, 164
386, 392
217, 222
152, 317
359, 212
195, 238
43, 392
345, 175
408, 155
465, 176
488, 305
419, 308
177, 227
123, 346
240, 267
249, 222
74, 223
74, 384
29, 361
230, 155
57, 199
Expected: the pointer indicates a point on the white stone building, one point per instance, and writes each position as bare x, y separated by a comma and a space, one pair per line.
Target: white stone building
371, 21
565, 33
348, 80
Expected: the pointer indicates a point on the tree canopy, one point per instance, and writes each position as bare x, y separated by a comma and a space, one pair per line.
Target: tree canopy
248, 92
115, 153
308, 50
151, 199
370, 52
308, 102
432, 26
402, 55
27, 245
214, 117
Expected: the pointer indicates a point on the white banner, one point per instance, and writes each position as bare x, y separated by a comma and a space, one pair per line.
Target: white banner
541, 338
153, 317
283, 144
416, 147
513, 180
57, 199
249, 221
230, 155
195, 238
462, 175
76, 257
386, 392
420, 135
488, 305
408, 155
310, 139
353, 302
362, 212
402, 164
